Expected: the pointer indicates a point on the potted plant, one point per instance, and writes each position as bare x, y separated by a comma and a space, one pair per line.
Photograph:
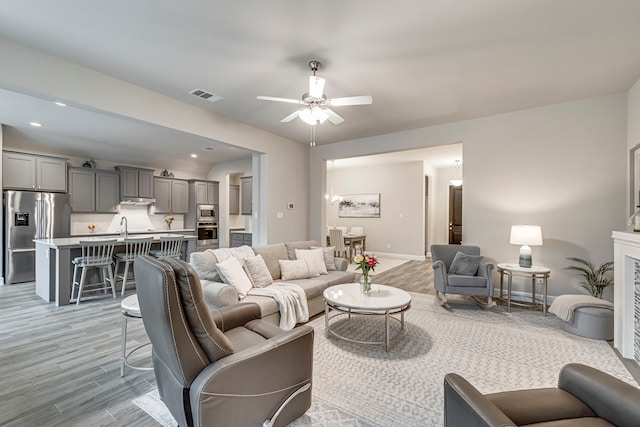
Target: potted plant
595, 278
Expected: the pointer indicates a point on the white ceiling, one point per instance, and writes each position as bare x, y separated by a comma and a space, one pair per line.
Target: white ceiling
425, 62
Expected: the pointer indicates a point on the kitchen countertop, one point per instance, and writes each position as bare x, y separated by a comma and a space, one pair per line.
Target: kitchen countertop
241, 232
71, 242
137, 232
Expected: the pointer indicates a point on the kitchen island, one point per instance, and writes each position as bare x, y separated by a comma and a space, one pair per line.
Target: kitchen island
54, 270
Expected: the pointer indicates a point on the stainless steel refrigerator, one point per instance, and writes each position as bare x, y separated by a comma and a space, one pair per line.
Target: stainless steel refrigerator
29, 215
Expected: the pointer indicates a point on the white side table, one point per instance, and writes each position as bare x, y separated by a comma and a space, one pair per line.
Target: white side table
534, 272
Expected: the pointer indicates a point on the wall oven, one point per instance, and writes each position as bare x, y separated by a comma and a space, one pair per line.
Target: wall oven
207, 233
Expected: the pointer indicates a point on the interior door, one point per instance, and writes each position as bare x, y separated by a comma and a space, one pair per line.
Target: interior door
455, 215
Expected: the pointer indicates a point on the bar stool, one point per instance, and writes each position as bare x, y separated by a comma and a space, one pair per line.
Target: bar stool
170, 246
130, 310
96, 254
134, 246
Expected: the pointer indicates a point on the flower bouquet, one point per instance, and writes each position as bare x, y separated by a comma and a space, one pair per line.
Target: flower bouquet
365, 263
169, 219
91, 227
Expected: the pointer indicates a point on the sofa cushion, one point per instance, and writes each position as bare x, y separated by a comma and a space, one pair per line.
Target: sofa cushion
315, 286
300, 268
257, 271
465, 265
204, 263
302, 244
232, 272
212, 340
271, 255
329, 257
316, 258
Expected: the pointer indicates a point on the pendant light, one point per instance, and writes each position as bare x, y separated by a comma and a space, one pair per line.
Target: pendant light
332, 198
457, 182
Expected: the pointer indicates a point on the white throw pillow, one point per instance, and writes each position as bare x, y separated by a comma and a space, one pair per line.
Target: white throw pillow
294, 269
232, 272
316, 266
329, 257
258, 271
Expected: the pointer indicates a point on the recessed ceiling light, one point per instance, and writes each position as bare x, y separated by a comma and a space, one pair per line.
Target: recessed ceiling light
61, 104
36, 124
194, 155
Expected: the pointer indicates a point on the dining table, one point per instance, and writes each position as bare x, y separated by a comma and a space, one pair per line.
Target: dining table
351, 240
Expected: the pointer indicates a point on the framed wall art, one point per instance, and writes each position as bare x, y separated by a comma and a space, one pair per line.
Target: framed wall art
359, 206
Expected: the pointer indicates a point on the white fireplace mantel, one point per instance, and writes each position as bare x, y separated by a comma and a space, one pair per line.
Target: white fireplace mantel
626, 253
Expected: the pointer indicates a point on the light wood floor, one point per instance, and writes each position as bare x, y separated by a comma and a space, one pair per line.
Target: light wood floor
60, 366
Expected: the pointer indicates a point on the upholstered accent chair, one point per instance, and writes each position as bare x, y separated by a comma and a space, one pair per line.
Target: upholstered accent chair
462, 274
224, 367
584, 397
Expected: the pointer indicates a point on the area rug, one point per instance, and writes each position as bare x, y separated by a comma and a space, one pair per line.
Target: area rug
362, 385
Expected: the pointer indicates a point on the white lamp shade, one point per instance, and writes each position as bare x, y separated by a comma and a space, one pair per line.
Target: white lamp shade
530, 235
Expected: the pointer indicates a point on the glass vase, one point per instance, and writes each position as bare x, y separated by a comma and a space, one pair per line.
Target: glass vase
365, 284
168, 226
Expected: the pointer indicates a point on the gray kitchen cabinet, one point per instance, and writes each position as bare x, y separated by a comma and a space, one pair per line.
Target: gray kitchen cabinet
246, 194
107, 191
172, 195
239, 239
93, 190
82, 189
234, 199
135, 182
22, 171
206, 192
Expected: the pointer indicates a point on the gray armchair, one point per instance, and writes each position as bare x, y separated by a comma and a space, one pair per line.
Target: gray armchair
445, 282
225, 367
584, 397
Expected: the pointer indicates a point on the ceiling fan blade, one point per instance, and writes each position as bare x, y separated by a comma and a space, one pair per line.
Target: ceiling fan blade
273, 98
316, 86
333, 117
289, 117
350, 100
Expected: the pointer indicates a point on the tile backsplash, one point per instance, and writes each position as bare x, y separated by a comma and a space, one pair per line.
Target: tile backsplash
139, 218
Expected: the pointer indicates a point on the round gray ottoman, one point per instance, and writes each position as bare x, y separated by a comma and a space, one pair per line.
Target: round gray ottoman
591, 322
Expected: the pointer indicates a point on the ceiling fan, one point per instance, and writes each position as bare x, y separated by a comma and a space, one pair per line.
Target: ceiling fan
316, 105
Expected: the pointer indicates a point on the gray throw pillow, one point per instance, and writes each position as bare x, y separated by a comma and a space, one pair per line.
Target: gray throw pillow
465, 265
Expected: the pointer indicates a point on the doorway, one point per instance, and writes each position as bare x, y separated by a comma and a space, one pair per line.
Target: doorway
455, 215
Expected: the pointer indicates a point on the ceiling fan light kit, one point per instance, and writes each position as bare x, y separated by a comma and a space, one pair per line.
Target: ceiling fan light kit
316, 105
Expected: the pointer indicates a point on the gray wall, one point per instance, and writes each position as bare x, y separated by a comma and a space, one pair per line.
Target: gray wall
401, 186
562, 167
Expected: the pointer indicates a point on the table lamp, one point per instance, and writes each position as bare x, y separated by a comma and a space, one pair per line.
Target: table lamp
525, 235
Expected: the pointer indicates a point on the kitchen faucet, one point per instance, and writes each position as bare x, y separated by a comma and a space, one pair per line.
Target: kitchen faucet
126, 231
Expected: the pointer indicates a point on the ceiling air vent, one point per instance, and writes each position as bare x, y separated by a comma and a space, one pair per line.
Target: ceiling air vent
207, 96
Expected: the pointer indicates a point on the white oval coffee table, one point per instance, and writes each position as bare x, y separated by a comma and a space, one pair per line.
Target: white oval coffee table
346, 299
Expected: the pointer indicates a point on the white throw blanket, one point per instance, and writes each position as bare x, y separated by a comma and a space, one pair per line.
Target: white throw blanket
291, 300
223, 254
565, 305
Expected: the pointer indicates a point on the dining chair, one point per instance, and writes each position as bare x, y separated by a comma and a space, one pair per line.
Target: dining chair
336, 240
342, 228
357, 247
96, 254
134, 247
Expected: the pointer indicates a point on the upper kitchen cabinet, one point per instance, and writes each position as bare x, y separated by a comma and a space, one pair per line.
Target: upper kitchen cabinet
234, 199
246, 194
22, 171
94, 190
205, 192
172, 195
135, 182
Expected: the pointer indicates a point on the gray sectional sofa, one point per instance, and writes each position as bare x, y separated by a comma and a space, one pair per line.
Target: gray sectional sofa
218, 294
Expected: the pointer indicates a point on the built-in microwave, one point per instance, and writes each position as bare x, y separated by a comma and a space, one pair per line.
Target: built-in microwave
207, 212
